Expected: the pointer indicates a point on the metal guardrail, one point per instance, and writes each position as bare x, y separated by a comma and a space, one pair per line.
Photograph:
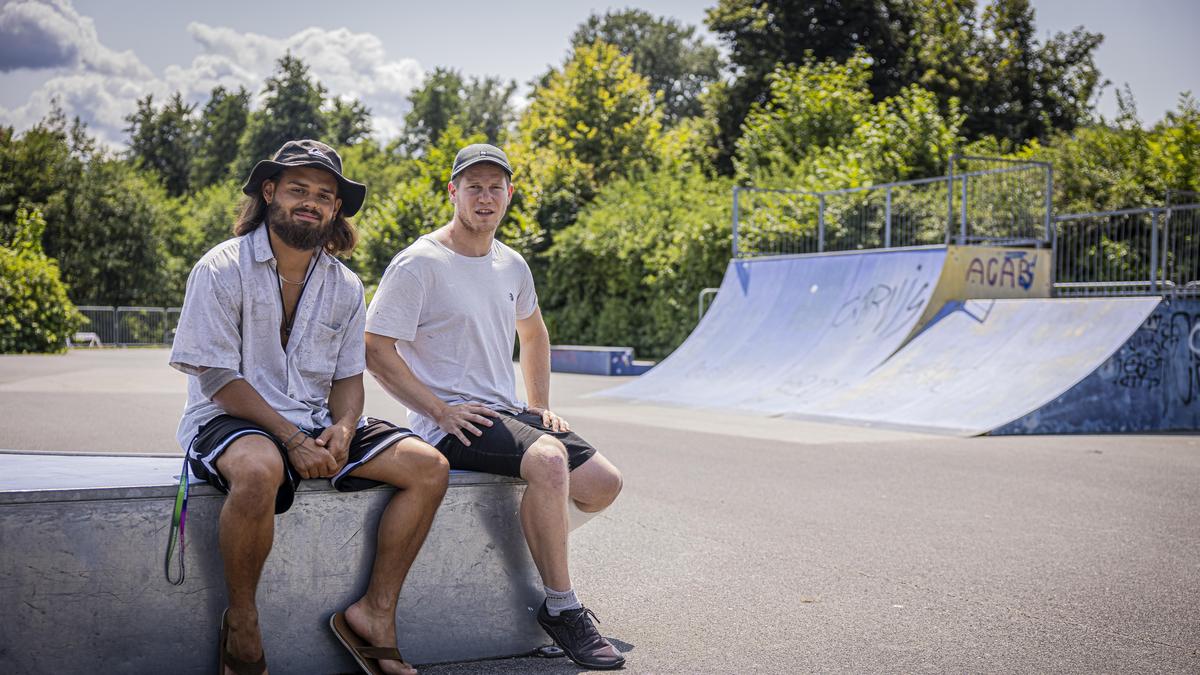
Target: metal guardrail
701, 307
1128, 252
980, 200
127, 326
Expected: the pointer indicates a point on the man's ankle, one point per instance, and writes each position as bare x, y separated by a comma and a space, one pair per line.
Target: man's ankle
558, 602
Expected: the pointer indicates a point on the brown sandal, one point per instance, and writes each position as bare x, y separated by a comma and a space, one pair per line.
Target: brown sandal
227, 659
367, 656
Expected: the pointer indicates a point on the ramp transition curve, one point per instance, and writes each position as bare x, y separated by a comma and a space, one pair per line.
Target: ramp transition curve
828, 337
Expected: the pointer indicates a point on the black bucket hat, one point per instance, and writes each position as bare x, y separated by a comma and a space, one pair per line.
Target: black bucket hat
308, 153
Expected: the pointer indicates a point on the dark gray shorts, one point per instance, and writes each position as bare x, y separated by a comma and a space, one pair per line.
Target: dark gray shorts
217, 434
500, 449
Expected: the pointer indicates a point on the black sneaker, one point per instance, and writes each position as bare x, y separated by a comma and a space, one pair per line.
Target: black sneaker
574, 631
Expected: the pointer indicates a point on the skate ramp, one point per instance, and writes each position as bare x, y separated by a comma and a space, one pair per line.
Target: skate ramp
890, 339
982, 364
785, 332
1152, 383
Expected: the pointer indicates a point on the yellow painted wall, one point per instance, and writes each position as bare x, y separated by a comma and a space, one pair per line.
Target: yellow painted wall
985, 272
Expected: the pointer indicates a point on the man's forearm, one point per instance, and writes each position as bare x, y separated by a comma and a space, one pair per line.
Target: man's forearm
397, 379
240, 399
535, 369
346, 399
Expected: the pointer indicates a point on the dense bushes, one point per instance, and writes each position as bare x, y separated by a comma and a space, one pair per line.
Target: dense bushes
623, 179
35, 313
629, 270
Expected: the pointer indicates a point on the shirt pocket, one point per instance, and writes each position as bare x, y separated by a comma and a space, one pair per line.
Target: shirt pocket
318, 355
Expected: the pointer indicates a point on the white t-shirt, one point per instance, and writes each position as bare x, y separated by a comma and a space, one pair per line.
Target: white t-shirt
454, 320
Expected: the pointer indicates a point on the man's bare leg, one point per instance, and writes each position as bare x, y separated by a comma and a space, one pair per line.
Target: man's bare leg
421, 473
254, 470
593, 487
544, 509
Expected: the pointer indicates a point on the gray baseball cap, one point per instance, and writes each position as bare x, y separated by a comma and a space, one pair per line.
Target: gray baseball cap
480, 152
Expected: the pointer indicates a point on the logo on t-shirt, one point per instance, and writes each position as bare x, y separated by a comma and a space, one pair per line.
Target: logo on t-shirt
510, 297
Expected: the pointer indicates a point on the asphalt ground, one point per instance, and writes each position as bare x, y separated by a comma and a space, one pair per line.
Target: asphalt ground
745, 544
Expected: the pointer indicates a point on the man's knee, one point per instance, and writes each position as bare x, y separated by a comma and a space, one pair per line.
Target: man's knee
411, 463
430, 468
545, 463
604, 484
253, 467
610, 483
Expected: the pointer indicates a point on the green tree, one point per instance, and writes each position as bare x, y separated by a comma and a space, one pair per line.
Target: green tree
1031, 89
487, 107
291, 110
164, 141
628, 272
435, 104
37, 165
35, 313
992, 69
1123, 164
108, 231
672, 58
761, 34
348, 122
821, 129
379, 167
218, 130
944, 58
202, 220
477, 106
590, 122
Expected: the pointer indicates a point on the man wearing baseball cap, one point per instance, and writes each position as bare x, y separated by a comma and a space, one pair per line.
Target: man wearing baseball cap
440, 339
271, 334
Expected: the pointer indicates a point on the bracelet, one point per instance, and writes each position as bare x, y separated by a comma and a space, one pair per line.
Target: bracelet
288, 443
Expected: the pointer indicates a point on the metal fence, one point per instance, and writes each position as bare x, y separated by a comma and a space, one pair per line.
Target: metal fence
1000, 201
980, 200
1128, 252
127, 326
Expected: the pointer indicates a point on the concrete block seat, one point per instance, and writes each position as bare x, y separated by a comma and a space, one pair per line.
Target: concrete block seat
82, 586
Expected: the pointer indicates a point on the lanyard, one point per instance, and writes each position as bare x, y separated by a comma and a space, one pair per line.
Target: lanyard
178, 519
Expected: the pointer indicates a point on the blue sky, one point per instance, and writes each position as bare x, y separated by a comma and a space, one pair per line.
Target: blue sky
98, 56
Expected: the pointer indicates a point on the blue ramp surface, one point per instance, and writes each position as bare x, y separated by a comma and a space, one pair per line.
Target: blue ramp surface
786, 332
985, 363
1152, 383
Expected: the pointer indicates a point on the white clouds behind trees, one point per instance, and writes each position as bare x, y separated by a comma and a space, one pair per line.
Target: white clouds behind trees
101, 86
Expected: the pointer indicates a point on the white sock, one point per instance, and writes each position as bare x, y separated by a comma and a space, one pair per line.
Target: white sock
559, 601
576, 517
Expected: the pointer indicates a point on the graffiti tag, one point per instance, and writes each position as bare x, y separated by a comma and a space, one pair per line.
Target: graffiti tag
1163, 352
1016, 269
888, 307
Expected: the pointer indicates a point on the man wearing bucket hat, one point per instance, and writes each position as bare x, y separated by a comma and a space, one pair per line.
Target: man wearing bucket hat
271, 334
440, 339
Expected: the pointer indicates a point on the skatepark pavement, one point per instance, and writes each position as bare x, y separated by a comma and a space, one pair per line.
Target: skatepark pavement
751, 544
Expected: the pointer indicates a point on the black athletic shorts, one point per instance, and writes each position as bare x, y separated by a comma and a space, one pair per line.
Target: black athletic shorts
217, 434
500, 449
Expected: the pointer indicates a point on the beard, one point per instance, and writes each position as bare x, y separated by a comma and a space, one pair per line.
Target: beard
297, 235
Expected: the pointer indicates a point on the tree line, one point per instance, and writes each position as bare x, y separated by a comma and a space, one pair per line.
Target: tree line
625, 155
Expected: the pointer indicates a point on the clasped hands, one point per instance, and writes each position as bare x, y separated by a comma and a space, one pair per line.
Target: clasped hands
323, 456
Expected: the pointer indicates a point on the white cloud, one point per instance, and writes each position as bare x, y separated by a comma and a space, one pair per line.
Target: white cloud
51, 34
102, 86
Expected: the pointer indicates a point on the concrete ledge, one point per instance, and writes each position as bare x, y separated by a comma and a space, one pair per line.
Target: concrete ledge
81, 572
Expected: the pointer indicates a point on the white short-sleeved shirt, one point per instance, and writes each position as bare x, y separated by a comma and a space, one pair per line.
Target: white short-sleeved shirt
231, 318
454, 320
